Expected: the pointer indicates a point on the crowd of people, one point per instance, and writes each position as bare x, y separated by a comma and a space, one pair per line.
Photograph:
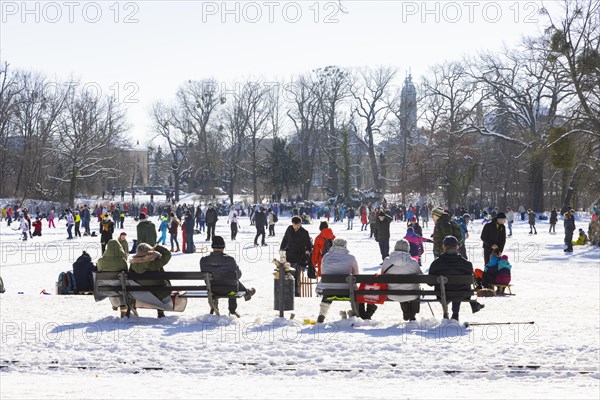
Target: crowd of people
327, 254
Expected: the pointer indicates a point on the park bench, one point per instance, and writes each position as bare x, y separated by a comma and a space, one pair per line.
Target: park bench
111, 284
430, 295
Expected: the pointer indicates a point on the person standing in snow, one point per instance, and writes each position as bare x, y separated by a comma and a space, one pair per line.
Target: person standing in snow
233, 224
50, 219
211, 221
382, 233
323, 243
70, 223
296, 246
493, 236
569, 224
24, 226
260, 219
271, 222
553, 220
163, 229
146, 231
107, 227
510, 219
531, 215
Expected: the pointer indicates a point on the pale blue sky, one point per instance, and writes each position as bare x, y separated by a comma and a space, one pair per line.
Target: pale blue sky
143, 50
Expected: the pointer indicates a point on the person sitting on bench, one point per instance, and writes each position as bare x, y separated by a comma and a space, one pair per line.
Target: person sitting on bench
450, 262
400, 262
218, 263
114, 259
339, 261
152, 259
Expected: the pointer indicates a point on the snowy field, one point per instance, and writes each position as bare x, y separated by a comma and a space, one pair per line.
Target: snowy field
69, 346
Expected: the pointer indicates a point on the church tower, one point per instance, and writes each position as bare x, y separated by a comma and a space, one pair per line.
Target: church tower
408, 111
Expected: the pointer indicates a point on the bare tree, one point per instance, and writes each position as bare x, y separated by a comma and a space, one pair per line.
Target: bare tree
200, 102
172, 125
304, 117
371, 90
257, 97
89, 128
332, 87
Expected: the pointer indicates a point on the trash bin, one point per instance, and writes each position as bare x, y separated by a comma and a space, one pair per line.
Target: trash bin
288, 292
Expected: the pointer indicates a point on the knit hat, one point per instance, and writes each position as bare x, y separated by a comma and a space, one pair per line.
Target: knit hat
501, 215
438, 211
402, 245
218, 242
413, 219
340, 242
142, 216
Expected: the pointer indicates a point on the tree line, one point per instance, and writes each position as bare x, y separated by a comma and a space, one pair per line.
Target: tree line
520, 126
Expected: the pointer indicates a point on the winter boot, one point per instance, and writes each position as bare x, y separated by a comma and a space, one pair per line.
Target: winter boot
234, 314
249, 293
454, 316
323, 309
476, 306
160, 313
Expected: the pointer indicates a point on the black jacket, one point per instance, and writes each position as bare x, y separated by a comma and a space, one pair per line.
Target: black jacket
494, 233
569, 226
219, 263
382, 228
260, 220
211, 216
82, 272
295, 244
452, 264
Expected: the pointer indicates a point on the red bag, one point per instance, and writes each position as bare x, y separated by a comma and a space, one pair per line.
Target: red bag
372, 298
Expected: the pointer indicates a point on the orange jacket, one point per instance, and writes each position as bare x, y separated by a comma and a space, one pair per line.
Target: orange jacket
319, 246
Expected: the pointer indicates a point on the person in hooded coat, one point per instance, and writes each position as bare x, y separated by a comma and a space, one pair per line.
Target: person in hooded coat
152, 259
114, 259
400, 262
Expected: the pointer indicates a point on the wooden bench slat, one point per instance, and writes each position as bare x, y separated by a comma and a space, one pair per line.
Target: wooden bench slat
393, 278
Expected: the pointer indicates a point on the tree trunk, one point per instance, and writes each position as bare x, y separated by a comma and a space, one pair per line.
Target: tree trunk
176, 176
536, 174
73, 187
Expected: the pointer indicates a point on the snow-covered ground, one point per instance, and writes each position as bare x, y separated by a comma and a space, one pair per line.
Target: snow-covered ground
69, 346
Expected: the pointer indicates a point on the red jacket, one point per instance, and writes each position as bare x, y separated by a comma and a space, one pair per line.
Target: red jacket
37, 226
319, 246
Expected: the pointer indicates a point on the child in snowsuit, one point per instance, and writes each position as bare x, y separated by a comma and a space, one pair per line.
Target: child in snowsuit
582, 239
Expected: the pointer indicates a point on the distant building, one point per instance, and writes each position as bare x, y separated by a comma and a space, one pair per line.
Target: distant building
134, 166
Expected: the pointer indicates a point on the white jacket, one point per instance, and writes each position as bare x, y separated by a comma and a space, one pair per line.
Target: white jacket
24, 225
510, 216
233, 217
337, 261
401, 263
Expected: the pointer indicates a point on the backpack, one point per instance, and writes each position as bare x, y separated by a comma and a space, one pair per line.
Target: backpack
65, 283
327, 246
275, 219
457, 232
